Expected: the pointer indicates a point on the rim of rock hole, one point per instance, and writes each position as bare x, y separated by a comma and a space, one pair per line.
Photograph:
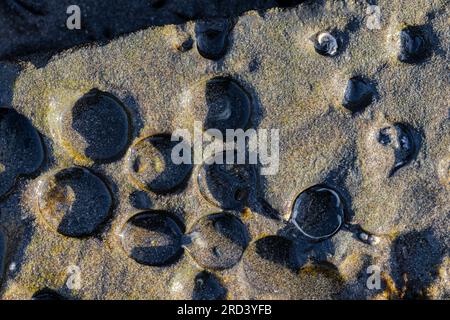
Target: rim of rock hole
340, 217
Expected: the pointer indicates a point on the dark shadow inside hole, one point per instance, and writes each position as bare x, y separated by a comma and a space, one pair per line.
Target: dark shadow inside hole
417, 256
231, 227
47, 294
103, 123
318, 212
359, 94
174, 176
227, 185
208, 287
278, 250
169, 229
140, 200
88, 199
410, 144
21, 148
213, 37
229, 105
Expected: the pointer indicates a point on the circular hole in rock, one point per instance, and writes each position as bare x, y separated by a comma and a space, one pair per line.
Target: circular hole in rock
228, 105
318, 212
153, 238
212, 38
185, 44
218, 241
101, 122
47, 294
74, 201
208, 287
151, 165
217, 104
358, 94
21, 149
413, 45
227, 186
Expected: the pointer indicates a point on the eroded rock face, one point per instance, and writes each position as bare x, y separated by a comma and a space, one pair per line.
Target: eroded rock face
363, 166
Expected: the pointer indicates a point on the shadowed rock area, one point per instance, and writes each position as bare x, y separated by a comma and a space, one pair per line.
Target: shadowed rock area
30, 26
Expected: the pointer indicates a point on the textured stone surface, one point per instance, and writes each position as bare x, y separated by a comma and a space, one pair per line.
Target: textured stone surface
272, 56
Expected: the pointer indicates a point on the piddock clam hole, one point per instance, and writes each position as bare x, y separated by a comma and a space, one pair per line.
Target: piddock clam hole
358, 94
318, 213
229, 106
102, 122
414, 46
212, 38
399, 138
151, 167
74, 201
153, 238
227, 186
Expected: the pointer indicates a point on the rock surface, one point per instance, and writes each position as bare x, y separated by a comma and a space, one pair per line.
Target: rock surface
272, 56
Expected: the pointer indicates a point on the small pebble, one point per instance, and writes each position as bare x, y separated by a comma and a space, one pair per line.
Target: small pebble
326, 44
374, 240
364, 236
